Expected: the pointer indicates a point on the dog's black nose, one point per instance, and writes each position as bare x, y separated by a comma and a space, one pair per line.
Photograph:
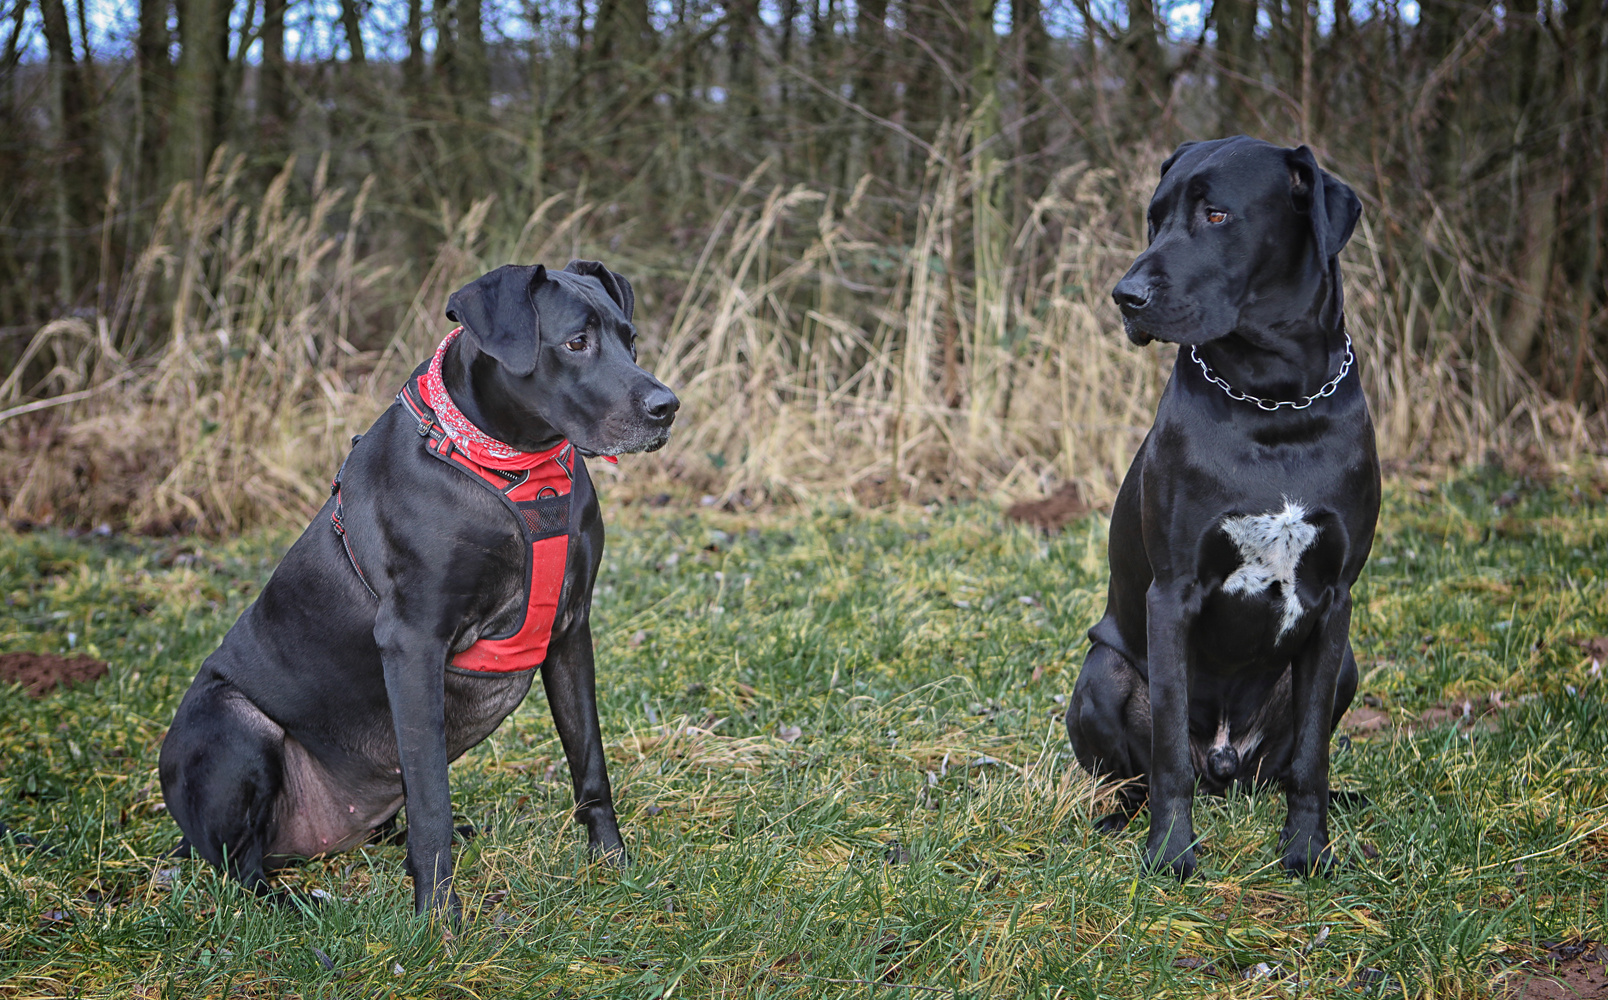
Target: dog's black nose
660, 404
1131, 294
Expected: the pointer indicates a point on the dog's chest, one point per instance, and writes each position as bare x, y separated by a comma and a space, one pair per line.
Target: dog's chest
1269, 548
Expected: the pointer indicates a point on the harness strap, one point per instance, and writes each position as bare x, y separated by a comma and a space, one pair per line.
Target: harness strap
440, 445
340, 528
546, 523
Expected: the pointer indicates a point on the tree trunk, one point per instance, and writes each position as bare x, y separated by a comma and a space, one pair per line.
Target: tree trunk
474, 99
1237, 88
1147, 74
871, 40
273, 111
198, 98
13, 52
982, 50
928, 93
1440, 25
742, 52
784, 53
77, 166
413, 63
153, 90
1030, 44
444, 16
352, 25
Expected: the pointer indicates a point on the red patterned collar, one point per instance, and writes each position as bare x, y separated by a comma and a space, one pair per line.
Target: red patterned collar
466, 437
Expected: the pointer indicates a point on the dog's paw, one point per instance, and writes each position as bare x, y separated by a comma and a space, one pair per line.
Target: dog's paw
444, 902
1306, 855
612, 855
1112, 824
1181, 863
1300, 865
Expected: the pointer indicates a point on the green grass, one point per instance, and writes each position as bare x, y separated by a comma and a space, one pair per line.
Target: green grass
925, 690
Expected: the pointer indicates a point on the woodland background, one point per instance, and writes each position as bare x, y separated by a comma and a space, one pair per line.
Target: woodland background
872, 241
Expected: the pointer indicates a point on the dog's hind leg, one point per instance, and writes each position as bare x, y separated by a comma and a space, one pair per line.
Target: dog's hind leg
1108, 722
223, 768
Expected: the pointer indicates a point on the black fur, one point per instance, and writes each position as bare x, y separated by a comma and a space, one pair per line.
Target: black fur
1190, 681
327, 707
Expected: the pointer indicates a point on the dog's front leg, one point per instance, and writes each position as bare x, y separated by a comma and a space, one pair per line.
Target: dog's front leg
1315, 672
415, 666
1171, 843
569, 680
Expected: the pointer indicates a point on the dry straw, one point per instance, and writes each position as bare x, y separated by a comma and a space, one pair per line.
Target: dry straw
813, 354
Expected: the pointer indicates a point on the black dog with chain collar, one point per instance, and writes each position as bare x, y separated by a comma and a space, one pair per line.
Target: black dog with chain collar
1224, 654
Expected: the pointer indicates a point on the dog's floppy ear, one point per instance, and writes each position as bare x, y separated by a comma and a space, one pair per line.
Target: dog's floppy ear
499, 311
1166, 164
1332, 205
615, 285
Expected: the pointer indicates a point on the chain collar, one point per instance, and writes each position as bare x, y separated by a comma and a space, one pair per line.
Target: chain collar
1273, 404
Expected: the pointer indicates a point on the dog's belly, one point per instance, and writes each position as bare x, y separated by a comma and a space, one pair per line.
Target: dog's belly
322, 810
320, 813
477, 705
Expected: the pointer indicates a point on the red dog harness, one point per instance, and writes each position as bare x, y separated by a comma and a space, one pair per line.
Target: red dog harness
535, 486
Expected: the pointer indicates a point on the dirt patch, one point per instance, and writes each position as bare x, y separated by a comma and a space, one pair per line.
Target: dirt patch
1366, 719
41, 673
1054, 512
1577, 971
1597, 650
1469, 715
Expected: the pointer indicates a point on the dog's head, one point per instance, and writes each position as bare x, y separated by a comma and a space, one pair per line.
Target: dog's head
558, 348
1242, 233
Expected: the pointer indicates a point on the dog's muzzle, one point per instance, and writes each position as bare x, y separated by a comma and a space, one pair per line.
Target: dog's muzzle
649, 429
1133, 296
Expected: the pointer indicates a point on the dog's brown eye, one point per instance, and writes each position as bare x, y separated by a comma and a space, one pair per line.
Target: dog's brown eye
577, 344
1216, 218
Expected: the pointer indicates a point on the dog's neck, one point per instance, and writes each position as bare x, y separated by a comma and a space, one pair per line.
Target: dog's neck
1281, 364
475, 383
1290, 356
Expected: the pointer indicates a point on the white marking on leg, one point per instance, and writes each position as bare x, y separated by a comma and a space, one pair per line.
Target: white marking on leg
1271, 546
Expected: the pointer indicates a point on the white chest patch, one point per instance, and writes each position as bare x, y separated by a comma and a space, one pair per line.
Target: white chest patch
1271, 547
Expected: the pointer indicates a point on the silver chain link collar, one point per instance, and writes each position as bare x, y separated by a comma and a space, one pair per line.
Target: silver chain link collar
1273, 404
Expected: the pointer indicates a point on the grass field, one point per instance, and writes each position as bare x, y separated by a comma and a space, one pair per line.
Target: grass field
835, 743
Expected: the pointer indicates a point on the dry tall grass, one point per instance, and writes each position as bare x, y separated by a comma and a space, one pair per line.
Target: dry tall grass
813, 353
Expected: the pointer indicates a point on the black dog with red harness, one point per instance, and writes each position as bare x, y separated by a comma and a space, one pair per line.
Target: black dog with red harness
466, 539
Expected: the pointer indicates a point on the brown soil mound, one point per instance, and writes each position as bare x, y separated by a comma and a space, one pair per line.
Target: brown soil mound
40, 673
1574, 972
1054, 512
